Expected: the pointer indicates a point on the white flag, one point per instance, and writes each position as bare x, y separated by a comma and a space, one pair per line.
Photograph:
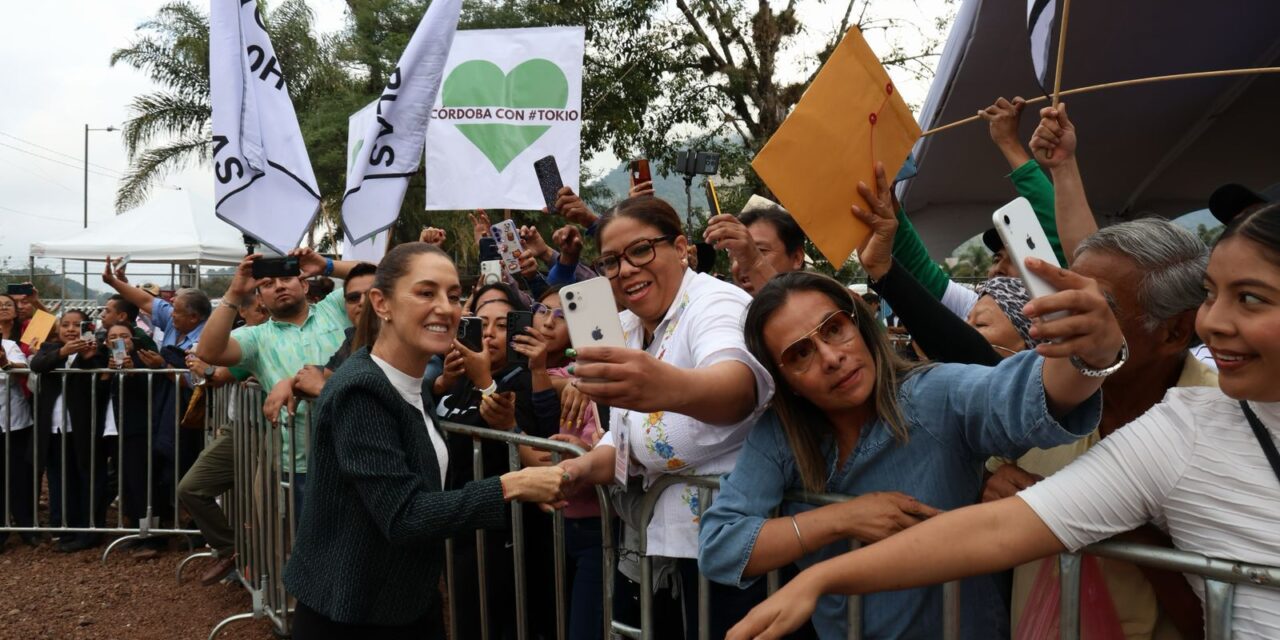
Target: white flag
393, 146
263, 183
1040, 27
372, 249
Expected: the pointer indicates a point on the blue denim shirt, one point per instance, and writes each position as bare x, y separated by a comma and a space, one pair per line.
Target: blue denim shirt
957, 416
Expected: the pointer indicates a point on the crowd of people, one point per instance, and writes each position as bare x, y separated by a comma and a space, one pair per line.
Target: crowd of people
1137, 402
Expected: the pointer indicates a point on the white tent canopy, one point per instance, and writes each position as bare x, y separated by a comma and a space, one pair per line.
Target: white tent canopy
174, 226
1160, 148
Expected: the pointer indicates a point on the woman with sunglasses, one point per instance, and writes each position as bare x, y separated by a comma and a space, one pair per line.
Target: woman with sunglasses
682, 393
850, 417
1203, 464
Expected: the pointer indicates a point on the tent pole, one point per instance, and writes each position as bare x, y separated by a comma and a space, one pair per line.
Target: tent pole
86, 279
63, 299
1124, 83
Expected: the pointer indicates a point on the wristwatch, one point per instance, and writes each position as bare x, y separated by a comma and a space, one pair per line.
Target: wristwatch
209, 370
1089, 372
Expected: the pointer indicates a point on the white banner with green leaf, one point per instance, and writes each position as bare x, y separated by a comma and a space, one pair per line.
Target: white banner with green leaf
510, 97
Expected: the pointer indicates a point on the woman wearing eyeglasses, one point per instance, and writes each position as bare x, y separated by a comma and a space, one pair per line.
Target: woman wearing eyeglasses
850, 417
682, 394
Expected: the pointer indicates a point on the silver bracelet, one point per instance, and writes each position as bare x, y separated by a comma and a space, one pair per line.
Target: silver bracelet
1089, 372
795, 525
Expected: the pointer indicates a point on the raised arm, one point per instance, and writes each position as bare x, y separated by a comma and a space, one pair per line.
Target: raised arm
217, 347
1054, 144
134, 295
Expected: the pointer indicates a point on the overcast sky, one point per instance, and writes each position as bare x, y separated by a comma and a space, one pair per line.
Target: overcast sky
56, 78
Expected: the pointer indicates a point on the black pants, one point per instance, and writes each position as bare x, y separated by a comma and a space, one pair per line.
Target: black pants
17, 447
308, 624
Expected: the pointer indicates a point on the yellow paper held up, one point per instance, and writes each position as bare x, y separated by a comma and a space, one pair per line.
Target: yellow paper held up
38, 329
850, 117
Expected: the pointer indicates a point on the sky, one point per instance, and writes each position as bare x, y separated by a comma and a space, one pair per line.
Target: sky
57, 78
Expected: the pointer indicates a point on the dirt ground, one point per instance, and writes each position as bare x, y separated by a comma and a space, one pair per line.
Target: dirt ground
74, 596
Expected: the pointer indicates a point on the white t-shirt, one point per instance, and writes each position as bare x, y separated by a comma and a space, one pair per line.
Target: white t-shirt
59, 422
1193, 467
15, 410
702, 328
410, 388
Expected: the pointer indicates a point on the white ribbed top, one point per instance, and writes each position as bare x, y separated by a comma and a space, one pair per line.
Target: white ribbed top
1192, 466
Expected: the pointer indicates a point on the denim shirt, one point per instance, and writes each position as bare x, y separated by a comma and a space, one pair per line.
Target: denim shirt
957, 415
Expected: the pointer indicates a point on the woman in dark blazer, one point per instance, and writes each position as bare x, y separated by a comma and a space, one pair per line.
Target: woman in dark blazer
85, 411
370, 544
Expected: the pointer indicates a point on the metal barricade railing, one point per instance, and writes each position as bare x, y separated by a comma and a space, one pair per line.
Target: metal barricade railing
705, 487
261, 510
261, 507
69, 462
1220, 580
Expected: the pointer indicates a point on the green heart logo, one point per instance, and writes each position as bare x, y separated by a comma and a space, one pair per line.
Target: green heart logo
532, 84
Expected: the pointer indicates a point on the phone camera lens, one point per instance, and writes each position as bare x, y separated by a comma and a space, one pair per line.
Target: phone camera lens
568, 295
573, 306
1007, 221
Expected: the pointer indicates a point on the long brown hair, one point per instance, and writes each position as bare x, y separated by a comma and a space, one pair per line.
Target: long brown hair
804, 424
394, 266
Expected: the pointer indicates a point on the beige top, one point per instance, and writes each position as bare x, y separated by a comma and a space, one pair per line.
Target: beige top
1134, 599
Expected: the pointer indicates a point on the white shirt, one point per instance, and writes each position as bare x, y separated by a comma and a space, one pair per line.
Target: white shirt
1192, 466
410, 388
1205, 356
15, 410
59, 422
109, 424
703, 327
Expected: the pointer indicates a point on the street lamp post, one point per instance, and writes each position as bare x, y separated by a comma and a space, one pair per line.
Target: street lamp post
87, 129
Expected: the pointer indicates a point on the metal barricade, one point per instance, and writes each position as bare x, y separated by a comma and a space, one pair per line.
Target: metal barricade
62, 465
1220, 580
261, 507
705, 487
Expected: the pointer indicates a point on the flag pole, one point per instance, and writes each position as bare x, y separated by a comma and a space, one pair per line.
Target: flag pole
1223, 73
1062, 52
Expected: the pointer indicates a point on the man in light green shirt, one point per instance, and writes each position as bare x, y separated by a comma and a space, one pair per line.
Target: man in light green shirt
298, 334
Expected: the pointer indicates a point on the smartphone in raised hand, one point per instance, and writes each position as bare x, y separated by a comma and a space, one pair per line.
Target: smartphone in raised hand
282, 267
507, 236
713, 199
1023, 238
517, 323
549, 181
471, 333
640, 171
592, 314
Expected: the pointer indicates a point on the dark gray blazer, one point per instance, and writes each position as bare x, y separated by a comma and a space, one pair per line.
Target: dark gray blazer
370, 542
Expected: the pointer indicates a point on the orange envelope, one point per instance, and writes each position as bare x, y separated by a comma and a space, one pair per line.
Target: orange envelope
38, 329
850, 116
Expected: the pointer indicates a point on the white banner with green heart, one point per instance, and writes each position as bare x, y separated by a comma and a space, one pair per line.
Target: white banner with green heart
510, 97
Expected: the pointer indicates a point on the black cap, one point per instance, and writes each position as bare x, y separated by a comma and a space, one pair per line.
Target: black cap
1229, 200
992, 239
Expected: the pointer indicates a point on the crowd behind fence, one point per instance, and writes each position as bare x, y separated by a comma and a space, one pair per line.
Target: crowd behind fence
263, 513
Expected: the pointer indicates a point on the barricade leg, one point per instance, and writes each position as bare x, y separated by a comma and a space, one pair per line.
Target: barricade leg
1069, 609
1219, 601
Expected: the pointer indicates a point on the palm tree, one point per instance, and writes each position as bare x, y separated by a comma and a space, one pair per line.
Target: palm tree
169, 129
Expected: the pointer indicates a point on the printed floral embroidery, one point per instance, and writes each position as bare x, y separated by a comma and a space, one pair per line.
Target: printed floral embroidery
655, 440
690, 498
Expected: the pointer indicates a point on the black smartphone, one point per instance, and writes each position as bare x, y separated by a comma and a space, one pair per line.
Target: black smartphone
713, 200
283, 267
517, 323
471, 333
640, 171
549, 180
24, 289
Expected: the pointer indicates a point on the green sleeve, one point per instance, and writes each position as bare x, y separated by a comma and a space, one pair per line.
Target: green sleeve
1031, 183
333, 306
909, 251
239, 374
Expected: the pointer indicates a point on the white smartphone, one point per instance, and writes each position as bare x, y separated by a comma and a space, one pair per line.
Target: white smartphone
490, 272
592, 314
507, 235
1024, 238
123, 260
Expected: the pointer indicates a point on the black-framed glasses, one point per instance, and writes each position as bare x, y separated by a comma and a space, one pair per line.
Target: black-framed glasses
354, 296
637, 254
839, 327
544, 311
